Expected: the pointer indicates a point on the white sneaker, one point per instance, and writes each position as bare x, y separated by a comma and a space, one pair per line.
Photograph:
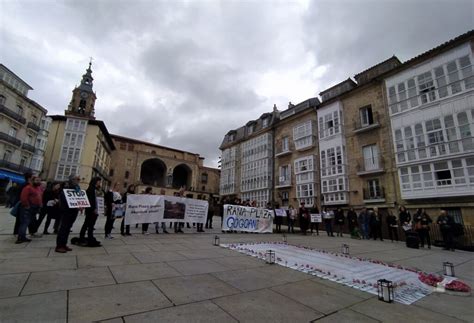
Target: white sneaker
145, 233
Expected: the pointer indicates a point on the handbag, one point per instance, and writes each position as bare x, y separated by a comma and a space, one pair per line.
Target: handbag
15, 210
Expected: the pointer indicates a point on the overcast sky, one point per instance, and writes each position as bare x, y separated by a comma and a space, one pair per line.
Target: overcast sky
182, 74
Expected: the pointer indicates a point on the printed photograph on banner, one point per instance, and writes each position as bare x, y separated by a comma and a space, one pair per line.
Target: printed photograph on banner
174, 210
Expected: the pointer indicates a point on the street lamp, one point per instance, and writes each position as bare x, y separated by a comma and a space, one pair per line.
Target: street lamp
448, 269
385, 290
345, 249
270, 257
217, 240
285, 239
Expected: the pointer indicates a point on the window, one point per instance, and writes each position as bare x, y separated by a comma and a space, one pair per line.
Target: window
12, 132
34, 119
374, 189
458, 172
304, 164
2, 99
420, 140
285, 198
442, 174
410, 143
265, 122
19, 110
441, 82
451, 134
466, 70
111, 172
123, 146
29, 139
399, 145
392, 100
412, 95
453, 77
427, 176
204, 178
284, 175
130, 147
435, 137
405, 178
426, 87
366, 117
250, 129
127, 174
7, 156
329, 124
23, 160
305, 190
465, 130
303, 135
285, 144
231, 137
371, 157
402, 96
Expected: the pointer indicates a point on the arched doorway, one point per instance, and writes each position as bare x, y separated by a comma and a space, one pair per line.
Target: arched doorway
182, 175
153, 172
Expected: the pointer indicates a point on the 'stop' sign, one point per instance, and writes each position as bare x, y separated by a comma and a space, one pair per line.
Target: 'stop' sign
76, 200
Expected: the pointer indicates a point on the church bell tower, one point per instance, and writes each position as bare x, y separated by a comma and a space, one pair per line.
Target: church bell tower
83, 98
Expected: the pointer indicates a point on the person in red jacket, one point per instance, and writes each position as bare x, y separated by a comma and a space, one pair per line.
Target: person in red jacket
31, 200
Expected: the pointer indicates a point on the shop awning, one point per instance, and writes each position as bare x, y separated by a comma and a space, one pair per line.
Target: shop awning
17, 178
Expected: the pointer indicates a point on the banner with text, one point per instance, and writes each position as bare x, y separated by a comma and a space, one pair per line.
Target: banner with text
76, 200
247, 219
160, 208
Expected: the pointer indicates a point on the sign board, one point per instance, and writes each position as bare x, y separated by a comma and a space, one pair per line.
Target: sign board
316, 218
247, 219
280, 212
100, 206
76, 200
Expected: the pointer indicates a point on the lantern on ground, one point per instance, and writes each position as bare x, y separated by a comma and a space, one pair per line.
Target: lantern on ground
217, 240
270, 257
345, 249
448, 269
285, 240
385, 290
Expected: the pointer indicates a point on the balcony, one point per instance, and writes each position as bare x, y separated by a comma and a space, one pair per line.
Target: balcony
374, 195
362, 127
33, 126
14, 167
12, 115
28, 147
9, 139
370, 166
283, 182
282, 152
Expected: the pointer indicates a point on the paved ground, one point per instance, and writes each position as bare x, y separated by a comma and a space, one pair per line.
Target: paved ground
183, 278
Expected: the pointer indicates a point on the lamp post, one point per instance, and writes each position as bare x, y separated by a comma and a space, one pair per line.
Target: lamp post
217, 240
385, 290
285, 239
448, 269
345, 249
270, 257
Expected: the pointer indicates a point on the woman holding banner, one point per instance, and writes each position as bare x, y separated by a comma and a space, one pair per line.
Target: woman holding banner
304, 217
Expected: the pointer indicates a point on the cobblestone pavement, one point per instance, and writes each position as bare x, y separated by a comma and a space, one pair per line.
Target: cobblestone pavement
184, 278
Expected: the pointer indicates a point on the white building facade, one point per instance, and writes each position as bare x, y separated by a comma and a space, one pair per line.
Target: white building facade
431, 110
332, 153
228, 171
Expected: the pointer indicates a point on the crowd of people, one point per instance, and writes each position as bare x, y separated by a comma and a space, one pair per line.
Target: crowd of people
33, 201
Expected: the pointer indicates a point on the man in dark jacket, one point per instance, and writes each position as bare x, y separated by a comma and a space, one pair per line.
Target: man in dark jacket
376, 224
68, 215
446, 223
91, 213
339, 219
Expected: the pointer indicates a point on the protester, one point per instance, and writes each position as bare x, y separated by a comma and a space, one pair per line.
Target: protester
364, 222
339, 220
31, 201
51, 198
148, 191
327, 218
291, 218
27, 176
179, 225
200, 226
392, 226
42, 212
376, 224
67, 215
422, 226
12, 194
93, 192
405, 218
278, 219
112, 201
314, 225
304, 218
125, 229
210, 213
446, 226
352, 220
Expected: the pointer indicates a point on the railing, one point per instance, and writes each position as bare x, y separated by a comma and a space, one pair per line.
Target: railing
370, 165
28, 147
359, 126
282, 152
15, 116
10, 139
33, 126
14, 167
371, 195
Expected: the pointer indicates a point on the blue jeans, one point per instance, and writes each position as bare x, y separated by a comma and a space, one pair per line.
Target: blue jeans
365, 230
25, 218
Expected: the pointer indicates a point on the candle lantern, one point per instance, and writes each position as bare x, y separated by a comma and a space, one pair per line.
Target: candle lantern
285, 239
345, 249
270, 257
385, 290
217, 240
448, 269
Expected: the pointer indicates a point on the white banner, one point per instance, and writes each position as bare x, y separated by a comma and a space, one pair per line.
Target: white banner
160, 208
76, 200
280, 212
247, 219
100, 206
316, 218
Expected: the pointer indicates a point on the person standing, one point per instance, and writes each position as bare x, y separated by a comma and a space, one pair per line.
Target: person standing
364, 219
51, 205
404, 217
304, 217
67, 215
352, 221
392, 225
328, 216
422, 226
125, 229
28, 177
210, 213
314, 225
31, 201
376, 224
113, 203
446, 222
93, 191
148, 191
291, 218
339, 219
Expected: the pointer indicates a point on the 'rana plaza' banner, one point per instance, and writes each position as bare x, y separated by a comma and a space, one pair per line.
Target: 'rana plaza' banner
160, 208
247, 219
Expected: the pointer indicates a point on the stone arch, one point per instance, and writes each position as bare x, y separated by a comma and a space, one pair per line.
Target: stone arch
153, 172
182, 175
